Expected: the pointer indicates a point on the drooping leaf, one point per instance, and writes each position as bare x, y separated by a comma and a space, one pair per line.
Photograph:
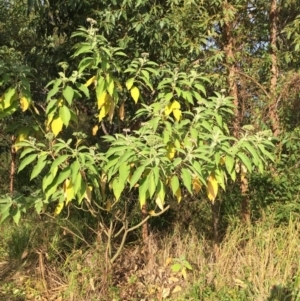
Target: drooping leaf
68, 191
68, 94
137, 175
95, 130
135, 94
122, 111
187, 179
118, 187
177, 114
26, 161
212, 187
174, 184
41, 162
129, 83
59, 207
65, 115
57, 125
160, 197
178, 195
142, 192
245, 160
90, 81
24, 103
196, 185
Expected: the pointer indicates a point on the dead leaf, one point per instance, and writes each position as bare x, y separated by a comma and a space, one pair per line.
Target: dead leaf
176, 289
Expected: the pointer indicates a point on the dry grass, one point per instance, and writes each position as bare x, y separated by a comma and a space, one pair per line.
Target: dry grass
257, 262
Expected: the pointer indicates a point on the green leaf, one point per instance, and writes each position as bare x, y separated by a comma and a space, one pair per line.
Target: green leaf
85, 90
142, 192
52, 92
58, 161
41, 162
27, 161
174, 184
118, 187
124, 171
245, 160
176, 267
252, 151
81, 192
65, 115
200, 88
75, 166
17, 215
152, 184
129, 83
137, 175
77, 182
229, 163
26, 151
68, 94
187, 179
47, 180
6, 204
266, 153
187, 265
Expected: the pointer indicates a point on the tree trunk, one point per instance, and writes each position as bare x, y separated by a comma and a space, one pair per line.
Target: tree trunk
12, 165
233, 92
275, 122
215, 209
145, 232
231, 76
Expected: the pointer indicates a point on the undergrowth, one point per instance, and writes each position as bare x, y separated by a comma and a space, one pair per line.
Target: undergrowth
59, 260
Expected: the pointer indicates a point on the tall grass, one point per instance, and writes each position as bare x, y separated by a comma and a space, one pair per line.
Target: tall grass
256, 262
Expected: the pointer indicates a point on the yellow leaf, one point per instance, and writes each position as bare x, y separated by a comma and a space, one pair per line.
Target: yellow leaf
178, 195
95, 130
90, 81
88, 193
196, 185
58, 208
57, 125
171, 151
68, 191
183, 272
175, 105
103, 181
129, 83
102, 99
159, 202
177, 289
111, 111
177, 114
122, 111
24, 103
135, 94
212, 187
60, 102
22, 135
106, 107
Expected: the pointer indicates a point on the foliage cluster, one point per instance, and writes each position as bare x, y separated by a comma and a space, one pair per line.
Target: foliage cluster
123, 109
